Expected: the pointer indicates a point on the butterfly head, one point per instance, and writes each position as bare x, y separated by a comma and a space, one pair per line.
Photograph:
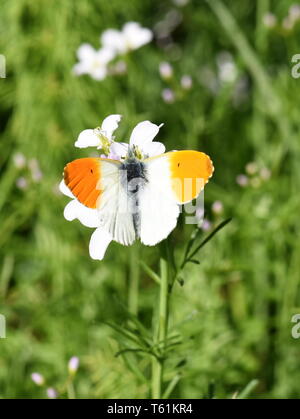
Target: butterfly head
134, 152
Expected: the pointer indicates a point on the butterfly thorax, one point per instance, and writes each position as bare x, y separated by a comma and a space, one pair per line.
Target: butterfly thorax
134, 180
134, 169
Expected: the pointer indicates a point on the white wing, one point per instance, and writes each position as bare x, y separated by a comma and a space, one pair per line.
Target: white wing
114, 207
157, 205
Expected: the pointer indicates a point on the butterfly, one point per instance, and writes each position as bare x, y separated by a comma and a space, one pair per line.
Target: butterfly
139, 198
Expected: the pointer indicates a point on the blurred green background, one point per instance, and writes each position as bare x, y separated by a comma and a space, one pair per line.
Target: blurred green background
233, 314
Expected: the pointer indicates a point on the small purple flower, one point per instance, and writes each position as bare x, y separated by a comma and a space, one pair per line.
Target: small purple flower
35, 170
119, 68
294, 12
165, 70
73, 365
22, 183
37, 175
19, 160
199, 214
38, 379
269, 20
242, 180
288, 23
51, 393
168, 95
217, 207
206, 225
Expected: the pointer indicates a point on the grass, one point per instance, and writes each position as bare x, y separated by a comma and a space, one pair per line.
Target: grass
229, 328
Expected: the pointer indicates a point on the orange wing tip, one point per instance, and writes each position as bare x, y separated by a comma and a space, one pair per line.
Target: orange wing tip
211, 167
82, 177
192, 166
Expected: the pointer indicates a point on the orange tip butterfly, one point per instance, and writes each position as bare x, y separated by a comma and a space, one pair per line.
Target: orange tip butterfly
138, 197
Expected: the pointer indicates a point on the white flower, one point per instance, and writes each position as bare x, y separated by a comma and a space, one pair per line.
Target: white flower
100, 137
132, 36
93, 62
227, 69
141, 144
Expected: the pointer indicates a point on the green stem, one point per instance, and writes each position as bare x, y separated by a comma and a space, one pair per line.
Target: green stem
134, 274
158, 363
71, 389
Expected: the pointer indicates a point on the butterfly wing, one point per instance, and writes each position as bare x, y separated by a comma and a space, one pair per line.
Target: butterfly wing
173, 178
189, 171
97, 183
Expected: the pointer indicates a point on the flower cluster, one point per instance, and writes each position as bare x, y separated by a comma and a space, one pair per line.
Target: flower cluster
174, 90
102, 138
255, 175
287, 24
29, 170
114, 43
225, 77
217, 209
51, 392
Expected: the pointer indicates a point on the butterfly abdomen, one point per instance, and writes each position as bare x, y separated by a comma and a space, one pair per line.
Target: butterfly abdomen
134, 178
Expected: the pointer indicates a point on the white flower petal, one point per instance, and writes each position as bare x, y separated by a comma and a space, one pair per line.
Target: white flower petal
131, 27
135, 35
105, 55
110, 124
65, 190
87, 216
114, 40
143, 133
154, 149
118, 150
86, 52
80, 68
98, 73
70, 211
87, 138
99, 242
